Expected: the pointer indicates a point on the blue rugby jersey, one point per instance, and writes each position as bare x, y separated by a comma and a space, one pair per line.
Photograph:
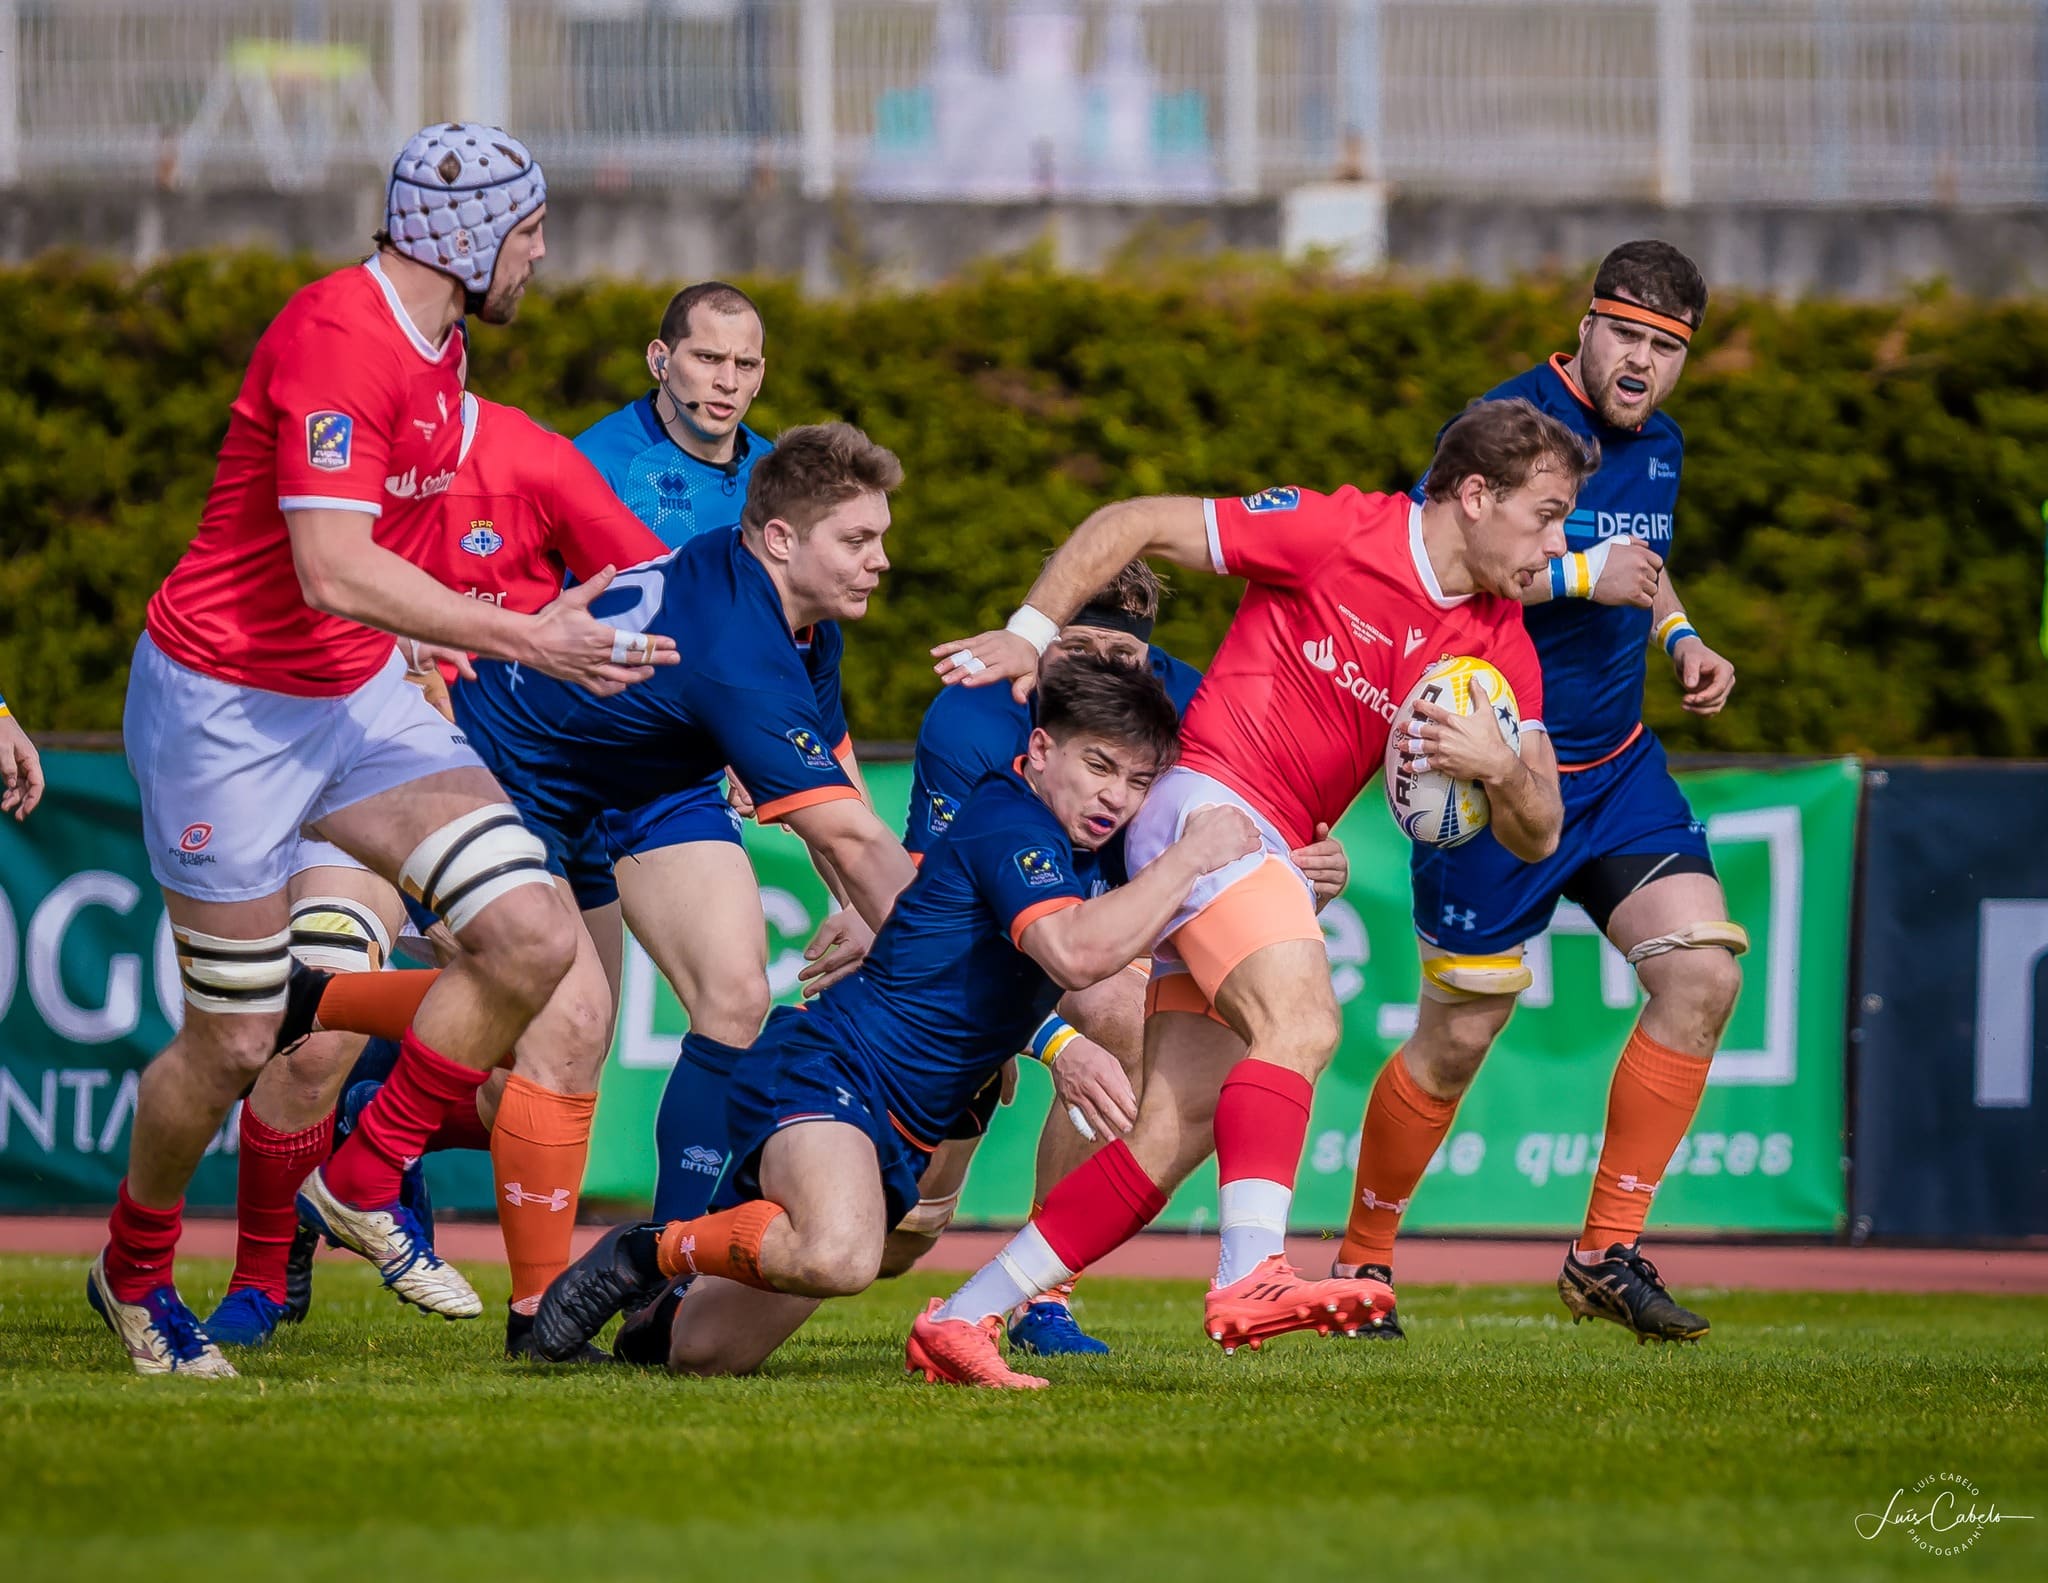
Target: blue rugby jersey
748, 693
1592, 655
970, 733
947, 994
662, 484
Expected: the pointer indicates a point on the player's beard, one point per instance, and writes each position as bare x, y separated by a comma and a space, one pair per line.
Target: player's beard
501, 304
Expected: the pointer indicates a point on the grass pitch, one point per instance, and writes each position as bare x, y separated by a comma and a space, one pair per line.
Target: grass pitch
1499, 1441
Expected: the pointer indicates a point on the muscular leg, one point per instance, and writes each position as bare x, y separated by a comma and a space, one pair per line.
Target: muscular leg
697, 910
825, 1242
938, 1194
1663, 1069
1409, 1113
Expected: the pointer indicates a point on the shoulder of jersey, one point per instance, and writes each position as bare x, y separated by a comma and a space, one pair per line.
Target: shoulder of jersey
1662, 423
1000, 803
615, 436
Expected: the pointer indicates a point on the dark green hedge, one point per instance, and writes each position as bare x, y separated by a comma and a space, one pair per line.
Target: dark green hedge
1860, 528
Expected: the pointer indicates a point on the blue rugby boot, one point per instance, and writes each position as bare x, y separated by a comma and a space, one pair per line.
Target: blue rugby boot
246, 1318
1046, 1328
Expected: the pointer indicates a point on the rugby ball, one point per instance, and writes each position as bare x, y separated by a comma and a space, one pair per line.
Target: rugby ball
1432, 808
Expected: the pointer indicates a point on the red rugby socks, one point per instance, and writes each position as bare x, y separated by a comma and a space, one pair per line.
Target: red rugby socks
269, 1167
142, 1244
1261, 1123
422, 1090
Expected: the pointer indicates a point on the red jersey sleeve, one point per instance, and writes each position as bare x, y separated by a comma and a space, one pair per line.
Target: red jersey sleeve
1279, 536
335, 403
1515, 657
592, 527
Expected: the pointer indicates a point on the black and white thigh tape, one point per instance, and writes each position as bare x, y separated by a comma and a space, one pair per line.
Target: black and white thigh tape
222, 975
338, 935
470, 862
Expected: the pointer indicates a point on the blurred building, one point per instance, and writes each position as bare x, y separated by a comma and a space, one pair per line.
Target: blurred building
1822, 142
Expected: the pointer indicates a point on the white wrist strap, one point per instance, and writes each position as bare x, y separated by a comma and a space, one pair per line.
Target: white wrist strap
1035, 627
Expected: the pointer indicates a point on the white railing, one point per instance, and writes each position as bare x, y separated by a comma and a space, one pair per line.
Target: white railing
1793, 101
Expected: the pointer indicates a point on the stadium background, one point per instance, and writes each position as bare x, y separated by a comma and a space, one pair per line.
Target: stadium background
1862, 529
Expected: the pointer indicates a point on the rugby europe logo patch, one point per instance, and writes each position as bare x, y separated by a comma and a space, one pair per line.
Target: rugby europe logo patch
1283, 497
327, 440
1039, 865
939, 819
809, 749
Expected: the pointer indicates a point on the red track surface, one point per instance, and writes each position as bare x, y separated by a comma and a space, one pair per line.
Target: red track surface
1425, 1261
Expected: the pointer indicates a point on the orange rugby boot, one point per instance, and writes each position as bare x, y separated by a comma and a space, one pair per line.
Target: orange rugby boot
1275, 1299
958, 1352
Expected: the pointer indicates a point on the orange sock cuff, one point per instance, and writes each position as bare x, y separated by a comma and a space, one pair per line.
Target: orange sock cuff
1667, 1073
540, 1115
378, 1004
726, 1244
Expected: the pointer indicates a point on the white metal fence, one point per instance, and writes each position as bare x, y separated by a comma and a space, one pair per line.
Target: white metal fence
1796, 101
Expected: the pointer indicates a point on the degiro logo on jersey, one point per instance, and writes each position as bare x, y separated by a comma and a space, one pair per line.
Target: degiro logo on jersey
1651, 525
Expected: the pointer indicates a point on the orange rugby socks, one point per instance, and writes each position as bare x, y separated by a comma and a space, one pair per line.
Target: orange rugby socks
727, 1244
1654, 1096
379, 1004
538, 1148
1404, 1125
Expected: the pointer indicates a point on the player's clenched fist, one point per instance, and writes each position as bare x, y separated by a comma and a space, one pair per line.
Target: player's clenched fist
565, 641
1465, 747
1216, 834
1629, 575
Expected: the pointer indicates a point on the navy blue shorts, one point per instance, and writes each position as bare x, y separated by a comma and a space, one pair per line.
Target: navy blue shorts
697, 813
794, 1075
1479, 899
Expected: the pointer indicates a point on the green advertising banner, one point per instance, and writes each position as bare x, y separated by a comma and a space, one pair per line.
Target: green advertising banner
89, 991
1764, 1155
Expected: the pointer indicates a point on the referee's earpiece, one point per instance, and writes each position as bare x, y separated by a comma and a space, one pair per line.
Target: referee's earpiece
661, 368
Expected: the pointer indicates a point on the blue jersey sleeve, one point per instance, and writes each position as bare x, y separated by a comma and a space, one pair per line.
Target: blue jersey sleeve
775, 740
1020, 862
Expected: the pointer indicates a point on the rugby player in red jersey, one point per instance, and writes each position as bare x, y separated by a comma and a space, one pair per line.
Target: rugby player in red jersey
525, 509
266, 697
1350, 598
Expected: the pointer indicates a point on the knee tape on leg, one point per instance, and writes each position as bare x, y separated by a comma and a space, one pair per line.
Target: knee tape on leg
931, 1216
1730, 937
222, 975
466, 865
1450, 980
338, 935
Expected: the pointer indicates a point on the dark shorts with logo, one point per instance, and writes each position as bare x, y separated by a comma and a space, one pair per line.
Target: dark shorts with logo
1626, 823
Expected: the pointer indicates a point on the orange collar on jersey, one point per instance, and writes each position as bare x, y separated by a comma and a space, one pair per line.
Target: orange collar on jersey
1636, 313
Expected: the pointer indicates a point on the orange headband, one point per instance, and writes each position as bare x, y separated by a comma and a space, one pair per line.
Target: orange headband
1636, 313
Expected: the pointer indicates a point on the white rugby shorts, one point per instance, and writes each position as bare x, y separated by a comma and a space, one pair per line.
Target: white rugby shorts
230, 774
1159, 822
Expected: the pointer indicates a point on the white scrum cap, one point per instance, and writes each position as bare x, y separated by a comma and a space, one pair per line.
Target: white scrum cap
457, 191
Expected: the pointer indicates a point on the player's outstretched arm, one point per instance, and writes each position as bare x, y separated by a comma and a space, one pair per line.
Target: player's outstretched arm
1617, 571
1079, 946
869, 861
1171, 527
345, 572
1522, 790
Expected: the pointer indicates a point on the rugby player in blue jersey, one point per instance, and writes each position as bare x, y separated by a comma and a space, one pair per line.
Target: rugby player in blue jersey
680, 457
967, 734
836, 1113
758, 690
1632, 854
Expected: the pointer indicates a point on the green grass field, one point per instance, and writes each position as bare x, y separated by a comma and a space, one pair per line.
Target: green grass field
1500, 1441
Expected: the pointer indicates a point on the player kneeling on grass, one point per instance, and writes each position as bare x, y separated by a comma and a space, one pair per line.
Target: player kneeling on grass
834, 1119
